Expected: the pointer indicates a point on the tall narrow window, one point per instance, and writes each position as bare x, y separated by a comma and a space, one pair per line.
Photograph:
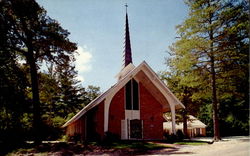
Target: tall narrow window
132, 95
135, 95
128, 96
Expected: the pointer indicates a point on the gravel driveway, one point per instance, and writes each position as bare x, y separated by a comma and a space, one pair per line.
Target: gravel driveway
229, 146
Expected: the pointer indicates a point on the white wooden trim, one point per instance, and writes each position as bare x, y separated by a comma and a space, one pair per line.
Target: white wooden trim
124, 130
161, 86
125, 71
106, 110
132, 114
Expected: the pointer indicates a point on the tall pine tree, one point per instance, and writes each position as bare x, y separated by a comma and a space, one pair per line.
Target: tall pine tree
29, 32
211, 54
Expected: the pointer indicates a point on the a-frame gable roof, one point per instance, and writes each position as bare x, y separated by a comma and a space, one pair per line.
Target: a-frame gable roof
134, 73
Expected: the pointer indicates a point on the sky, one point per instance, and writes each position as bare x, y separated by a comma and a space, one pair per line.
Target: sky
97, 26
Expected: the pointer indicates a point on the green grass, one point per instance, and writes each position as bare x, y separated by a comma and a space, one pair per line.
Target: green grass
21, 151
135, 145
190, 143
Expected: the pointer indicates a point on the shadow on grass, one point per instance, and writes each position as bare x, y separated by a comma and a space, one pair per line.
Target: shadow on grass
65, 148
136, 147
62, 148
94, 148
133, 145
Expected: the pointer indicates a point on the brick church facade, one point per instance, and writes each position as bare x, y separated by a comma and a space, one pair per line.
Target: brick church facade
133, 108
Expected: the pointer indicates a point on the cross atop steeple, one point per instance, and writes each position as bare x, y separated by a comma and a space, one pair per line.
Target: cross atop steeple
127, 54
126, 5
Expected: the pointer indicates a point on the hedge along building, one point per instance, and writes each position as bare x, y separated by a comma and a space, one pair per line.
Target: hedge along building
131, 109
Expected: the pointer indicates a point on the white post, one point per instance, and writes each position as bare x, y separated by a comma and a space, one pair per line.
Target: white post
106, 113
107, 102
172, 107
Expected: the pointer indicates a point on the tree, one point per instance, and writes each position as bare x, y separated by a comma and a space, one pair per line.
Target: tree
91, 93
185, 92
214, 36
13, 98
70, 89
62, 97
49, 94
29, 32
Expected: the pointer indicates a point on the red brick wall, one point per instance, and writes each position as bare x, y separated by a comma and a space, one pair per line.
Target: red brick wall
116, 113
99, 119
95, 123
189, 133
77, 127
151, 114
203, 131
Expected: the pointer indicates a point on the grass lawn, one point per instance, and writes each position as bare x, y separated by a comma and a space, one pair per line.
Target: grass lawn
26, 150
190, 142
135, 145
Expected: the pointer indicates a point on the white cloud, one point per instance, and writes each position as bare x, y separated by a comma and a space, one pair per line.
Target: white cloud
80, 78
83, 61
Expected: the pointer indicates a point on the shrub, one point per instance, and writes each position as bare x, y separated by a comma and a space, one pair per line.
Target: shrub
109, 138
179, 135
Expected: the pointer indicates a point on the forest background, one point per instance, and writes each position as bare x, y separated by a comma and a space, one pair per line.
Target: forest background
208, 70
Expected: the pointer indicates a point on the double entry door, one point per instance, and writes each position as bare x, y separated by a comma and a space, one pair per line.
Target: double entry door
135, 129
131, 129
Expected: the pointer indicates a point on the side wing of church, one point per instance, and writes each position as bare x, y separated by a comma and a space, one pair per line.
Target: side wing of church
133, 108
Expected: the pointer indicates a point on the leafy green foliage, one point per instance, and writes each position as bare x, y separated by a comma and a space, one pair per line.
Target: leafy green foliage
34, 103
13, 96
209, 64
30, 33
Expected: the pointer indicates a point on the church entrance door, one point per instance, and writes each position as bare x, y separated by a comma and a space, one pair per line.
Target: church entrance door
136, 129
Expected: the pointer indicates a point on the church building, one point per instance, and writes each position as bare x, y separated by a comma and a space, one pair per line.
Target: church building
131, 109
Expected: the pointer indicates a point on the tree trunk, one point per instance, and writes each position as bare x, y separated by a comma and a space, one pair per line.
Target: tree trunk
35, 96
215, 103
184, 116
213, 81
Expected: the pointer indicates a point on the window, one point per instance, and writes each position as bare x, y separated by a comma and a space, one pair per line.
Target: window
135, 95
198, 131
128, 96
132, 95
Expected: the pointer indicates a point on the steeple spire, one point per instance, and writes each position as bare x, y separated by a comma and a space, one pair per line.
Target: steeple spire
127, 54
